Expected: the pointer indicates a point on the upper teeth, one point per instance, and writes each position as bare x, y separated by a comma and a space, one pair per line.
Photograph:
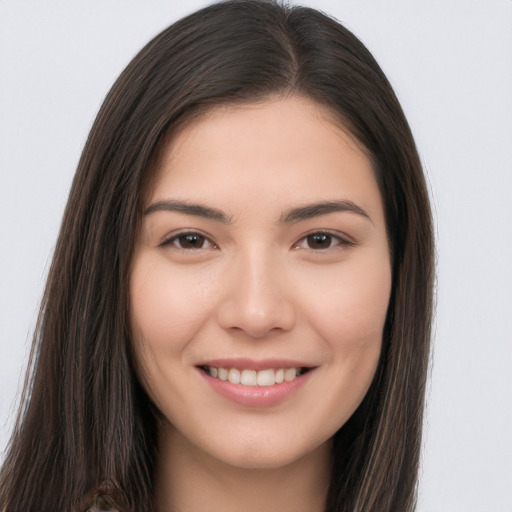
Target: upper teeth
267, 377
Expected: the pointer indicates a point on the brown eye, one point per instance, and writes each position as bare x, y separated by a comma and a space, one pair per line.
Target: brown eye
319, 241
189, 241
323, 241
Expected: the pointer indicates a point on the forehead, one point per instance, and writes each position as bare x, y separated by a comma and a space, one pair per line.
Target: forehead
293, 114
288, 150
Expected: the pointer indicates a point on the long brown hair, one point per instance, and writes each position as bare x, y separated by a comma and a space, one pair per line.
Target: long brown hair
85, 426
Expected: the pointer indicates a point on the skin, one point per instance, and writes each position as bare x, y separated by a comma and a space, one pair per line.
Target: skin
257, 284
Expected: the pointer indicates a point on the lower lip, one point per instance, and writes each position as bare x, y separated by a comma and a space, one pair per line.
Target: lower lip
256, 396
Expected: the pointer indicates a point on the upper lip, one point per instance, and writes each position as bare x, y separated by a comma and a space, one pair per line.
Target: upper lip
252, 364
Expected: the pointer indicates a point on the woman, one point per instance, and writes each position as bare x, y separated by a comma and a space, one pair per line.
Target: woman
238, 310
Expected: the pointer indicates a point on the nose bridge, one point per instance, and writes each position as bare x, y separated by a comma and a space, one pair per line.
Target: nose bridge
256, 298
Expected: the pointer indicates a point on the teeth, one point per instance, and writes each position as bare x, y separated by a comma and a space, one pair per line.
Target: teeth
234, 376
248, 378
267, 377
289, 374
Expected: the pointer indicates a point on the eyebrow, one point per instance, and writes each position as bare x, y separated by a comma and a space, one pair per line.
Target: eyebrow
189, 209
324, 208
309, 211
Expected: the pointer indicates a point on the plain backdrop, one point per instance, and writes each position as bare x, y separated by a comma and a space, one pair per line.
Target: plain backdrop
450, 62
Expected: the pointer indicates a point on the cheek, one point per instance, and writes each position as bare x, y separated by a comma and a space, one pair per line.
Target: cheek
350, 311
350, 319
167, 309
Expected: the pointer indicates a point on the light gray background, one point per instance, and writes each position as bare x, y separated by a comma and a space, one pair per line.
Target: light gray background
450, 62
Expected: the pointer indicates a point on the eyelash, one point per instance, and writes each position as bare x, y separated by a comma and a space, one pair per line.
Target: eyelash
174, 241
335, 240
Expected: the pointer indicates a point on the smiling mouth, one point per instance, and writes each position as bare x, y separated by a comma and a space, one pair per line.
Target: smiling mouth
262, 378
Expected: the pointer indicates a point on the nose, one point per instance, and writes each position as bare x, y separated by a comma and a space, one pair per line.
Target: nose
257, 298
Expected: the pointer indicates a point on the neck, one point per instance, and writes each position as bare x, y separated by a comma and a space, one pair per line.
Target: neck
188, 480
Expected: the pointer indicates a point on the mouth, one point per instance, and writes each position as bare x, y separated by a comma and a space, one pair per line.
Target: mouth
249, 377
256, 384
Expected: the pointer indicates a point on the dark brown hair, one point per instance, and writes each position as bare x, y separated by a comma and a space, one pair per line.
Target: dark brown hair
85, 426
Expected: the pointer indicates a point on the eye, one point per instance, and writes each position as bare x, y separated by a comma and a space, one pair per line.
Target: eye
321, 241
189, 241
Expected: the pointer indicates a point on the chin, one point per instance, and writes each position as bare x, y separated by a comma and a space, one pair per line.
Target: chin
265, 454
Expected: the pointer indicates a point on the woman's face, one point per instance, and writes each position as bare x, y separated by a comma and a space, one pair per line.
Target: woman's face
262, 259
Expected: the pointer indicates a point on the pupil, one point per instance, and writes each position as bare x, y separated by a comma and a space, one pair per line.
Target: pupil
319, 241
191, 241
